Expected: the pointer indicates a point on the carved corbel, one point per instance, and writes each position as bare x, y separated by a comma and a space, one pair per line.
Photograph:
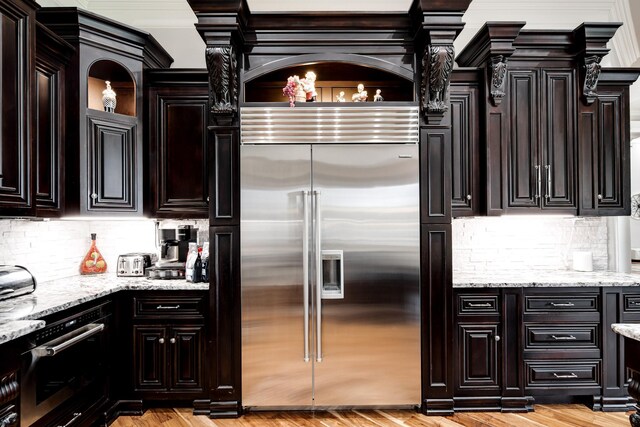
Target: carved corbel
437, 63
592, 73
223, 80
498, 73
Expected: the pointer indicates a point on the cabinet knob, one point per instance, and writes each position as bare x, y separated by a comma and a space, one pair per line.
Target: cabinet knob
599, 196
161, 340
172, 340
207, 198
468, 196
496, 337
94, 196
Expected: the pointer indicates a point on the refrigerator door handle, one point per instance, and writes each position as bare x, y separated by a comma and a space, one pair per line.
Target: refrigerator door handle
305, 271
318, 267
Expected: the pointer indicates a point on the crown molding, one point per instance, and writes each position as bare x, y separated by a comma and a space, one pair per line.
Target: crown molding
624, 43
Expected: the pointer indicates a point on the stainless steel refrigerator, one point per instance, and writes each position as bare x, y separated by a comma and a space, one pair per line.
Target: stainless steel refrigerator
330, 275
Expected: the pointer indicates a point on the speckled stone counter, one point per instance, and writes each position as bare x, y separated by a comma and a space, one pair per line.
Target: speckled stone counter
500, 279
19, 316
629, 330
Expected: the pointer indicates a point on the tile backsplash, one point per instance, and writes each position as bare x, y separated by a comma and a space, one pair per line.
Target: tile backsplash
527, 242
54, 249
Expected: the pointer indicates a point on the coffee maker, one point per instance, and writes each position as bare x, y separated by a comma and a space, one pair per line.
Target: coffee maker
174, 247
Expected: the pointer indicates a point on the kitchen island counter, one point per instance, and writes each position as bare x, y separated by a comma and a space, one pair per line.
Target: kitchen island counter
20, 316
542, 279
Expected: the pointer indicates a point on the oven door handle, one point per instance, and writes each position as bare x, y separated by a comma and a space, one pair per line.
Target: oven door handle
54, 347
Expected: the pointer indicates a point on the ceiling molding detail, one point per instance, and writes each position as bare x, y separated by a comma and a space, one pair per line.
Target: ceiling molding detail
624, 43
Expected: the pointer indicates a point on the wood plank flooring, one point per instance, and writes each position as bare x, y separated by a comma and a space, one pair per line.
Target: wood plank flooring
544, 416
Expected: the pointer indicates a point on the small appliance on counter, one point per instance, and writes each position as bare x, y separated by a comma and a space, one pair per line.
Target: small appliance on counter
15, 281
174, 248
135, 264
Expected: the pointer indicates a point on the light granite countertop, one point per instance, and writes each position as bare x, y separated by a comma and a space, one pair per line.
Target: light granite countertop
21, 316
629, 330
541, 279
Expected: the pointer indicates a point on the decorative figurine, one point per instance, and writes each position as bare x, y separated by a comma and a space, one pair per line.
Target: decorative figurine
361, 95
377, 97
109, 98
290, 91
309, 86
301, 95
340, 98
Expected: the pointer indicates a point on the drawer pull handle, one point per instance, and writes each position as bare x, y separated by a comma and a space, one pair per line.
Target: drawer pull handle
484, 304
563, 337
636, 303
571, 375
562, 304
168, 307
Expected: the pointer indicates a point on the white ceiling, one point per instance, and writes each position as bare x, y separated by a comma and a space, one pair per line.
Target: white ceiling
171, 22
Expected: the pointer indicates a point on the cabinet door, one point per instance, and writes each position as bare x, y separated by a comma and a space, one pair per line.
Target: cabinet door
478, 356
112, 180
178, 152
605, 151
465, 182
186, 358
17, 76
523, 165
150, 363
48, 142
558, 140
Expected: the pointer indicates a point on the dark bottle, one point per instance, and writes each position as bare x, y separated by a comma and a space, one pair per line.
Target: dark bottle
197, 268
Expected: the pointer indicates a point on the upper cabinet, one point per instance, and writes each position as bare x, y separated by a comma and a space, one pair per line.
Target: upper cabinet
104, 110
52, 56
17, 133
176, 135
542, 93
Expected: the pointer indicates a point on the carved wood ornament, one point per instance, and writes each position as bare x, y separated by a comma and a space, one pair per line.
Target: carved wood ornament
498, 73
223, 80
592, 73
437, 64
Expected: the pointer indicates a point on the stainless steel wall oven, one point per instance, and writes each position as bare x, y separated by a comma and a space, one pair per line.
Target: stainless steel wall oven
67, 361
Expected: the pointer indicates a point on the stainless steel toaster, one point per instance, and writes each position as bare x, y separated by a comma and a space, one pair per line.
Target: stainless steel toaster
134, 264
15, 280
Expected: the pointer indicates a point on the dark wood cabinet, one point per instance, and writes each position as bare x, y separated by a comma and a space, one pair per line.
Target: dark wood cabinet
17, 81
465, 143
112, 148
477, 365
168, 358
604, 154
541, 144
103, 150
178, 179
168, 346
52, 56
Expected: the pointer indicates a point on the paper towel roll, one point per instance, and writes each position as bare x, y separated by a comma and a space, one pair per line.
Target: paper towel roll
582, 261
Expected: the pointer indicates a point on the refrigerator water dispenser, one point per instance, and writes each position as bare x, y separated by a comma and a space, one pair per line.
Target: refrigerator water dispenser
332, 274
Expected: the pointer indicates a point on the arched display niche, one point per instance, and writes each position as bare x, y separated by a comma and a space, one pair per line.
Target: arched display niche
334, 74
122, 83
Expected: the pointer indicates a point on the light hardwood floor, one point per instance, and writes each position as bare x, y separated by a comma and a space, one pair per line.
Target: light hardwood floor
544, 415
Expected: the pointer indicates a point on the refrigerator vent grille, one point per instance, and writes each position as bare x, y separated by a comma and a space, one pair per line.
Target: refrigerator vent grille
329, 125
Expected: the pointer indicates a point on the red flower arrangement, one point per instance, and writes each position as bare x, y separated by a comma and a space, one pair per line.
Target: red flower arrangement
290, 90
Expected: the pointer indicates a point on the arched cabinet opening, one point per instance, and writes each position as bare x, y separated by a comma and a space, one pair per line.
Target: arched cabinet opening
120, 81
333, 81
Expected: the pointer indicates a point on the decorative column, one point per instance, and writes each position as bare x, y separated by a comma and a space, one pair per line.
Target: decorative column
221, 25
436, 29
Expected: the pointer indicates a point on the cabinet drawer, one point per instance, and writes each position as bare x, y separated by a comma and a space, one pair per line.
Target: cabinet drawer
632, 303
481, 304
562, 374
561, 337
168, 307
561, 303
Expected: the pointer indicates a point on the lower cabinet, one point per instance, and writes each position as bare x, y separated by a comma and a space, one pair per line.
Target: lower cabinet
168, 341
514, 346
168, 358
